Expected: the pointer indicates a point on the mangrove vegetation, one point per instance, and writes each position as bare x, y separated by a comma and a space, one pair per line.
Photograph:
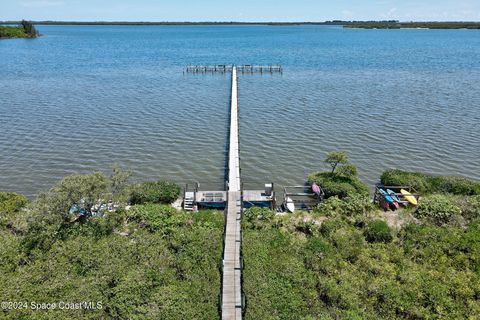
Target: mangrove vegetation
145, 261
25, 29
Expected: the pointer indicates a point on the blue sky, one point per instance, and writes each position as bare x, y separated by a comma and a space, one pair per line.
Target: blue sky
241, 10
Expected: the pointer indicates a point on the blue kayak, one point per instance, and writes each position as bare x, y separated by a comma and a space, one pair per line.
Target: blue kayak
387, 197
393, 195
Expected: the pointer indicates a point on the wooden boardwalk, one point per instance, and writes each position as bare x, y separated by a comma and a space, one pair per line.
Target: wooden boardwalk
232, 306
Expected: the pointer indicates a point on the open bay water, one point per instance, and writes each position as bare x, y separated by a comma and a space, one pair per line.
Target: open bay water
81, 98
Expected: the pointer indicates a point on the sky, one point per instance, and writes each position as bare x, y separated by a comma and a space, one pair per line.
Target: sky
240, 10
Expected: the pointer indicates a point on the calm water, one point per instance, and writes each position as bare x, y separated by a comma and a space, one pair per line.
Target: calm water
84, 97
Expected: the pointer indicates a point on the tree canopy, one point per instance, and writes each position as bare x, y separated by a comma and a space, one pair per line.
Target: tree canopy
335, 158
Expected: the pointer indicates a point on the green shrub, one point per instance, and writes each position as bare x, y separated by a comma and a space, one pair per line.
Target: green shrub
395, 177
378, 231
78, 188
471, 208
336, 158
338, 185
154, 217
155, 192
454, 185
257, 213
437, 208
257, 218
349, 242
357, 204
352, 205
11, 202
11, 205
29, 28
330, 226
348, 170
330, 207
318, 245
316, 249
343, 182
12, 32
119, 182
428, 184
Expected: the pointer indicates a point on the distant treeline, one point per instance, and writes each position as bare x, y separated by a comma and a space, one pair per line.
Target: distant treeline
166, 23
400, 25
384, 24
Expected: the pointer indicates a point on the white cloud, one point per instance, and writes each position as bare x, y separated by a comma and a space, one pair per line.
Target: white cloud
41, 3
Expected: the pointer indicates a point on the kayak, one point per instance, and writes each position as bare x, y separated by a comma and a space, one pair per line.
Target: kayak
393, 195
408, 196
316, 189
386, 196
290, 205
74, 209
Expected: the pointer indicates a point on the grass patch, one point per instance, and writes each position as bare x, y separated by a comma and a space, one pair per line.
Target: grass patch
428, 184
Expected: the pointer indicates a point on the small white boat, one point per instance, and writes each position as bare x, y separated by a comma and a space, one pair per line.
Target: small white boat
290, 205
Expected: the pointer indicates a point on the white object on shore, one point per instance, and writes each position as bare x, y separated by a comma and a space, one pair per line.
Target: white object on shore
290, 205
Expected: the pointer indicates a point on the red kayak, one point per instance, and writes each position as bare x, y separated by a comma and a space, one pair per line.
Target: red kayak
316, 189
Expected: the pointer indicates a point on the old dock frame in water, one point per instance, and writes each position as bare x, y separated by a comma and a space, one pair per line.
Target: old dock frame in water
222, 68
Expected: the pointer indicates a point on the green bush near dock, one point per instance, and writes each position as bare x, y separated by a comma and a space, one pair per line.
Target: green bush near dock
150, 262
338, 185
342, 181
428, 184
350, 270
155, 192
356, 204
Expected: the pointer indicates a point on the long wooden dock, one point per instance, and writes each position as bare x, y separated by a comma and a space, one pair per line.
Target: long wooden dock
232, 300
232, 305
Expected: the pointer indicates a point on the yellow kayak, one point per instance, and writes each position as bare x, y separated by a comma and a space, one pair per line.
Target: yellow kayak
408, 196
